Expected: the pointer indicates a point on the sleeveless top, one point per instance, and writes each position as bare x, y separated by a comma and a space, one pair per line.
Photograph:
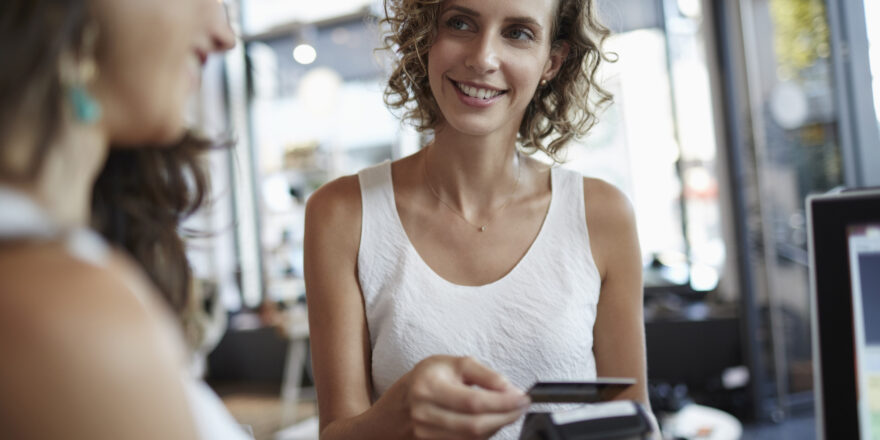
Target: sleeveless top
21, 218
535, 323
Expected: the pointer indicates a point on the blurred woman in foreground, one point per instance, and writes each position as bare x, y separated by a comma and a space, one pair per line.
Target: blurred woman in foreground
89, 348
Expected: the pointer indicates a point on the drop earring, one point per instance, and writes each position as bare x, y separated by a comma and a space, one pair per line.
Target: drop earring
76, 74
86, 108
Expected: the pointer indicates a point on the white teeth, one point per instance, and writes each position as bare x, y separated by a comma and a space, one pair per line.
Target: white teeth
474, 92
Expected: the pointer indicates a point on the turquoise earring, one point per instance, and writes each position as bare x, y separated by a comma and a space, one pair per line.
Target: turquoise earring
86, 108
78, 71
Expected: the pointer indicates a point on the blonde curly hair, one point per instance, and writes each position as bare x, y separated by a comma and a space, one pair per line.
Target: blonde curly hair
564, 109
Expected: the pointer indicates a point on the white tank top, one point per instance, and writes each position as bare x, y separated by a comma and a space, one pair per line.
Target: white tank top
20, 217
535, 323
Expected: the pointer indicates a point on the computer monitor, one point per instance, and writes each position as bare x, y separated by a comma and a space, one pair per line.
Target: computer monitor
844, 233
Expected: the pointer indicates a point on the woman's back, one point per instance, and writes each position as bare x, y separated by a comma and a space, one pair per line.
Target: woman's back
81, 355
87, 349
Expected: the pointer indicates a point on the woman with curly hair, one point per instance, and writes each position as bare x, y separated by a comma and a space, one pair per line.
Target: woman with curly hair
96, 173
443, 284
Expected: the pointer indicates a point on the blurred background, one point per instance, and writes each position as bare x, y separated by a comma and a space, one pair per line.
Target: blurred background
727, 114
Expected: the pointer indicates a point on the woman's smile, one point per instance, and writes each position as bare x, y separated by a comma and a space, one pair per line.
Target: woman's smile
477, 95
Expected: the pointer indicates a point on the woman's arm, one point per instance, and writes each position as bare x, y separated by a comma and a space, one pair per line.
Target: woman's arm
619, 332
434, 400
338, 332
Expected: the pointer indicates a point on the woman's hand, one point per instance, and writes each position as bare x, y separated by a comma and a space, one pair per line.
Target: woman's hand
458, 398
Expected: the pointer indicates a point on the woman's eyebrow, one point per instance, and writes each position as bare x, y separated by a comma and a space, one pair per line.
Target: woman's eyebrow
521, 19
467, 11
524, 20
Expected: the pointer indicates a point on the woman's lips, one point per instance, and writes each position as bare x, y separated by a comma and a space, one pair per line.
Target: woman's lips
476, 101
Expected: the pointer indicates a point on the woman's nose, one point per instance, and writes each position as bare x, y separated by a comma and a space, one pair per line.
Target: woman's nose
222, 36
483, 56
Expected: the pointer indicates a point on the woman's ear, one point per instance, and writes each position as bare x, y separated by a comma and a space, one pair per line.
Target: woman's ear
558, 55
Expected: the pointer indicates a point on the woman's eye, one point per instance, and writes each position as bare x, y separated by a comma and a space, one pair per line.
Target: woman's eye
457, 24
520, 34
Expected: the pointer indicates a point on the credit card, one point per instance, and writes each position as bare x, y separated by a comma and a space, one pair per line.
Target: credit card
597, 390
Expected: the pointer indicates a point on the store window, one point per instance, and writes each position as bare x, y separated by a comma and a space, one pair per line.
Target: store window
657, 141
794, 150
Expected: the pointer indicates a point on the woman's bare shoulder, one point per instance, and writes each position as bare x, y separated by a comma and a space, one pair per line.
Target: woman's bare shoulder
334, 211
51, 301
340, 197
606, 205
48, 273
611, 223
80, 349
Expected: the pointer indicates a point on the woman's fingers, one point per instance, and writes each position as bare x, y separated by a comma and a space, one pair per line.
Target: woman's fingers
467, 400
437, 422
460, 398
470, 387
475, 373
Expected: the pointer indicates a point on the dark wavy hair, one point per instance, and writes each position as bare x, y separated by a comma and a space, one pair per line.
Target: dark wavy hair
142, 194
560, 111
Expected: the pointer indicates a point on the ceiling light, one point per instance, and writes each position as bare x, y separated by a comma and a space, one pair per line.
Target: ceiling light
305, 54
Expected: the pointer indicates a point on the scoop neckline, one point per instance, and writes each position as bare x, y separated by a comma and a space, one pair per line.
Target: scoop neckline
516, 268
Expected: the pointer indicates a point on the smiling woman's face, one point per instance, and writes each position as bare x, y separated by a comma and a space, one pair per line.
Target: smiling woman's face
488, 59
150, 56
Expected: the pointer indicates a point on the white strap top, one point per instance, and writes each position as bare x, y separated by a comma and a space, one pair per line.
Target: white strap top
535, 323
20, 217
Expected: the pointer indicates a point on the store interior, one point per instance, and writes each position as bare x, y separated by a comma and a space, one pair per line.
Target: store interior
727, 115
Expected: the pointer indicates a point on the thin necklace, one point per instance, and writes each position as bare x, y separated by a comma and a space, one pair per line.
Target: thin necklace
480, 228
